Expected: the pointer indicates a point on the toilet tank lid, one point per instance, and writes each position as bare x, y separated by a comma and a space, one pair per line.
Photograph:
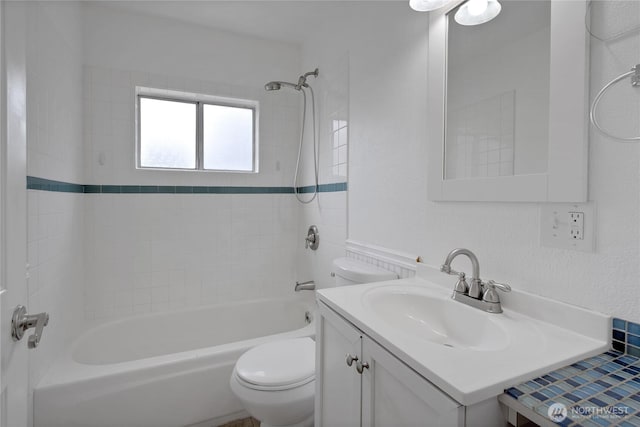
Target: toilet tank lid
278, 363
361, 272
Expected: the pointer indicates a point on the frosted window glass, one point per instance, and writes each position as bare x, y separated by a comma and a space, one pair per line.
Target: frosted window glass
228, 138
167, 134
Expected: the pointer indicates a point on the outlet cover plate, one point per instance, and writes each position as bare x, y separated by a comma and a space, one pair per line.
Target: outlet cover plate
556, 225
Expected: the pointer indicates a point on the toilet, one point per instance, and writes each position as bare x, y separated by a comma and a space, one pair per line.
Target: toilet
276, 381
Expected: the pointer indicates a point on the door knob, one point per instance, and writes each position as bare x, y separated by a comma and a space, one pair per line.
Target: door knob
21, 322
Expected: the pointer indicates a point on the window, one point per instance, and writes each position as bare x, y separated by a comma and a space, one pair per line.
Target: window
195, 132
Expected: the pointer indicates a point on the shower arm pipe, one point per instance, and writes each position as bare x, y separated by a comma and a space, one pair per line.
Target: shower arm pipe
635, 82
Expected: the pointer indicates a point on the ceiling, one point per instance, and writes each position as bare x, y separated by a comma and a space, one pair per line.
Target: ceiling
286, 21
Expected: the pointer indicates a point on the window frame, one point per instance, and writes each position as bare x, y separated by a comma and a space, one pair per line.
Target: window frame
199, 100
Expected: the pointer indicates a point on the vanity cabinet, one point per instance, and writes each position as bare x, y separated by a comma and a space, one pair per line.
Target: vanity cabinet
387, 392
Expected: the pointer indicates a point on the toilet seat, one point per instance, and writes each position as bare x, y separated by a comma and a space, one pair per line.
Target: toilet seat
279, 365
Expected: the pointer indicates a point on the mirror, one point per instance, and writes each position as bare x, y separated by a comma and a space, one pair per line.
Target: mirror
507, 104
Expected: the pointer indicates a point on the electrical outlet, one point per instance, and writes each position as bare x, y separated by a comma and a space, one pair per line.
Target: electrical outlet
568, 226
576, 225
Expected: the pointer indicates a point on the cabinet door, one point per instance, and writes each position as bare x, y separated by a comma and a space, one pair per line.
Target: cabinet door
338, 387
395, 395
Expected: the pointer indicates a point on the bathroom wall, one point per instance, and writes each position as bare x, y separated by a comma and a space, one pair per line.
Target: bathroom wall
54, 149
153, 252
329, 210
387, 201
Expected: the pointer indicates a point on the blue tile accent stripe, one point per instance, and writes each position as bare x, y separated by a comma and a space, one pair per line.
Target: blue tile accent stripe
35, 183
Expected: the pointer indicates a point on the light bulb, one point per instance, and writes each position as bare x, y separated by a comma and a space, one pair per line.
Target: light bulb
477, 7
426, 5
475, 12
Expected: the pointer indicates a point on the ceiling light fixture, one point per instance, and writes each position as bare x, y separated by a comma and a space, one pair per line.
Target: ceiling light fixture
476, 12
426, 5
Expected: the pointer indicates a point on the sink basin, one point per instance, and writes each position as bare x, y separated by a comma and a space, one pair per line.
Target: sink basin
437, 319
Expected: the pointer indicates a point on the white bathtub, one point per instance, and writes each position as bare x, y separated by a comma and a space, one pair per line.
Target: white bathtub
163, 370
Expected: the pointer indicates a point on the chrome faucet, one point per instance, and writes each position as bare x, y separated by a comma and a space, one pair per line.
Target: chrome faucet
305, 286
478, 294
475, 288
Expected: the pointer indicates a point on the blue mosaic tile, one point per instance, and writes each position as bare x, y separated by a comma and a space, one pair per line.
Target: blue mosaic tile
603, 385
633, 340
627, 387
572, 397
618, 346
618, 335
598, 402
633, 328
539, 396
621, 361
594, 374
514, 392
532, 384
626, 374
613, 394
541, 381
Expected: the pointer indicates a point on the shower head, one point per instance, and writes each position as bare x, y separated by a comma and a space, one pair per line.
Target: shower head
278, 85
302, 82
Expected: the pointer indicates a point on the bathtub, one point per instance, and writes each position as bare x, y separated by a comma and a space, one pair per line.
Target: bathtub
164, 370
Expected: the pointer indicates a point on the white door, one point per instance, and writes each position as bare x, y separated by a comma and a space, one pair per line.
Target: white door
338, 386
395, 395
13, 216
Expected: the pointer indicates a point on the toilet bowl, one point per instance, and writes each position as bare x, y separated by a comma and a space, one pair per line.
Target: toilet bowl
276, 382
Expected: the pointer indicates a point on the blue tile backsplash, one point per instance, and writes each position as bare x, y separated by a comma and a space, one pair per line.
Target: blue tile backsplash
625, 337
603, 390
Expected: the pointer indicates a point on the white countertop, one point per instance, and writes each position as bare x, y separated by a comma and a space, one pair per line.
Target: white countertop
543, 335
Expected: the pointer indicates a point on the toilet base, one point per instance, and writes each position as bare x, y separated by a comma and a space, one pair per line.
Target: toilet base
304, 423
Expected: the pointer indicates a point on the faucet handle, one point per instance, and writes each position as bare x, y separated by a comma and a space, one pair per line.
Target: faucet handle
490, 294
461, 285
501, 286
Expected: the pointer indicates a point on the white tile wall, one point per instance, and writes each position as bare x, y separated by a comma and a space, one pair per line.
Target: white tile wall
157, 252
154, 252
54, 149
329, 211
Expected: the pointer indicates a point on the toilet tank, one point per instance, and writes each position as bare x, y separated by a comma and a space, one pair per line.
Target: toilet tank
348, 271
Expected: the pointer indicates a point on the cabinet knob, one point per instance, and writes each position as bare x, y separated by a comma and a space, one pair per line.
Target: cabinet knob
351, 359
360, 367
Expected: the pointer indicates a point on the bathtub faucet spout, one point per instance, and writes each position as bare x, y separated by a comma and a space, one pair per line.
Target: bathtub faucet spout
305, 286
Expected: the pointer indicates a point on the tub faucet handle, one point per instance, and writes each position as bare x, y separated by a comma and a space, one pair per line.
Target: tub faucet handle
21, 322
